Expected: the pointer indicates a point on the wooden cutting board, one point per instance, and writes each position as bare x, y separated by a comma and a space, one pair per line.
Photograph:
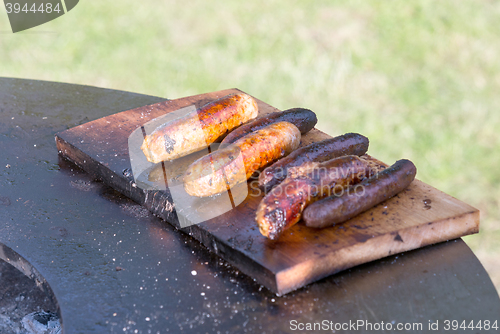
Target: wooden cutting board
419, 216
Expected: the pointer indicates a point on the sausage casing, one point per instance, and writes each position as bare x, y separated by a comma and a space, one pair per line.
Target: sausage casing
368, 193
303, 119
224, 168
282, 207
199, 128
347, 144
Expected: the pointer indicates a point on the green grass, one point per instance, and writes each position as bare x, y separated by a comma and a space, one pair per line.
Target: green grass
419, 78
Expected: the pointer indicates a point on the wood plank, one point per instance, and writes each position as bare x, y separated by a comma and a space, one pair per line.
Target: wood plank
419, 216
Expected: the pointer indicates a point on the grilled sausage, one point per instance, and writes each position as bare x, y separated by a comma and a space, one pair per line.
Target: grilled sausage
224, 168
347, 144
370, 192
303, 119
283, 206
197, 129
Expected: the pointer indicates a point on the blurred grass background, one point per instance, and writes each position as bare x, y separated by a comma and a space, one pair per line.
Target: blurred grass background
420, 78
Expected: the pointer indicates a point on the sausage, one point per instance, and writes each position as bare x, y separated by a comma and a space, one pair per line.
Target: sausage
368, 193
198, 129
347, 144
282, 207
224, 168
303, 119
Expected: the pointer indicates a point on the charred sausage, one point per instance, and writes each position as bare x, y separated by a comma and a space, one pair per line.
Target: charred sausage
197, 129
224, 168
347, 144
366, 194
283, 206
303, 119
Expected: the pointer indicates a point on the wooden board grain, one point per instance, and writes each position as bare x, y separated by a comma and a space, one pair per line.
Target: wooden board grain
419, 216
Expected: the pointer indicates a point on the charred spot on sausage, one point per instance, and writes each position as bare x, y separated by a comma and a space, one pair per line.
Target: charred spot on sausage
169, 143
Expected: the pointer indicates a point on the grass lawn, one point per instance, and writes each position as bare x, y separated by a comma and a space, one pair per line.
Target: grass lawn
420, 78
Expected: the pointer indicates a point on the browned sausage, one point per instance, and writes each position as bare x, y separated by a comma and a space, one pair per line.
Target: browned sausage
283, 206
224, 168
366, 194
199, 128
347, 144
303, 119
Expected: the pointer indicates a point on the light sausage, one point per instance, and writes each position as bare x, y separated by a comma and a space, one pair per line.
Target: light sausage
198, 129
224, 168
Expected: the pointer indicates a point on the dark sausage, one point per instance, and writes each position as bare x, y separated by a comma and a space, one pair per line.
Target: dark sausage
303, 119
347, 144
283, 206
370, 192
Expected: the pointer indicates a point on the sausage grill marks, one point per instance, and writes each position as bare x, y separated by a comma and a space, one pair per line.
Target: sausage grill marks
303, 119
347, 144
370, 192
282, 207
